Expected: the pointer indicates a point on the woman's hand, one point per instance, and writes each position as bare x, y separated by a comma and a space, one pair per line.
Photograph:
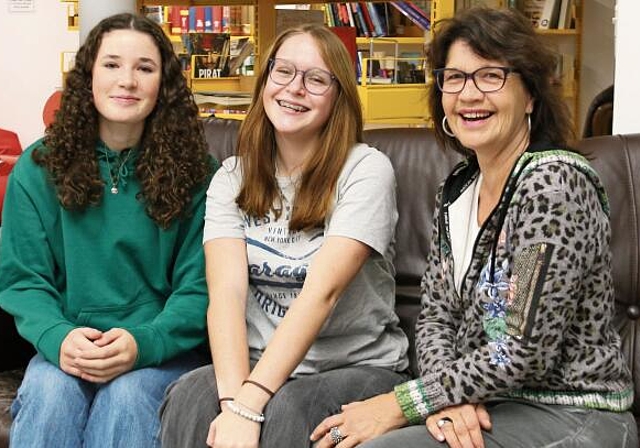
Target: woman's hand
361, 421
461, 425
230, 430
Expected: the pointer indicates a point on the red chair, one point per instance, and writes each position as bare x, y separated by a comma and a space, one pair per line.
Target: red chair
10, 150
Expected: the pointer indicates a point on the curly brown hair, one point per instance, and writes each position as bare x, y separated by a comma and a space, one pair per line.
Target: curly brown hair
173, 160
505, 35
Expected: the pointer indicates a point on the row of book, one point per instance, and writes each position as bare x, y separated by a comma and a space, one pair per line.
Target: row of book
216, 55
374, 19
549, 14
544, 14
235, 20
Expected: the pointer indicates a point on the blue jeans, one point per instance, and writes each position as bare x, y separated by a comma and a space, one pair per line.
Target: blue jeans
54, 409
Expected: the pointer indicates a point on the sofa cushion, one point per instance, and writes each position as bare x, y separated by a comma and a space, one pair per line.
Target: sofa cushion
617, 161
420, 166
9, 383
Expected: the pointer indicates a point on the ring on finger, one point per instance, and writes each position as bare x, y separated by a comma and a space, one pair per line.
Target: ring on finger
336, 435
443, 421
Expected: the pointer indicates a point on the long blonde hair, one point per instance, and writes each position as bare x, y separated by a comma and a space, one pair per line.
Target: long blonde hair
343, 129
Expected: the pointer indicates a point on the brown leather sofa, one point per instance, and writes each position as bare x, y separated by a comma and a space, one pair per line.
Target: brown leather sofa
420, 166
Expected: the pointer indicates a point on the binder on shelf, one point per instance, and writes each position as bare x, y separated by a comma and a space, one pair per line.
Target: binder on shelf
184, 19
200, 18
549, 16
217, 19
565, 16
208, 19
192, 19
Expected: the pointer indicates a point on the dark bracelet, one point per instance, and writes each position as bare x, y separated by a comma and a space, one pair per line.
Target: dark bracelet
255, 383
223, 399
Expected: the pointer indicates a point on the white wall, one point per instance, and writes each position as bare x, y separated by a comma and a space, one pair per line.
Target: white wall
598, 61
30, 47
627, 72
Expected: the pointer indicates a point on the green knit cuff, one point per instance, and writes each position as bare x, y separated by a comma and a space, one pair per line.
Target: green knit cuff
406, 395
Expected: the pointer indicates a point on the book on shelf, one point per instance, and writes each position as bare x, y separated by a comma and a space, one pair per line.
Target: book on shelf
370, 19
216, 19
208, 19
549, 15
532, 9
362, 8
358, 17
565, 16
347, 35
241, 50
414, 14
178, 19
210, 54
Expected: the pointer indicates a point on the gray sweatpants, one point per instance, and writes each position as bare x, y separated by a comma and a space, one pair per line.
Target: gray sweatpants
519, 424
191, 404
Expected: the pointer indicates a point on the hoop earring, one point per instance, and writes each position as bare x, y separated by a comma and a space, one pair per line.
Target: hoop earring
445, 128
529, 122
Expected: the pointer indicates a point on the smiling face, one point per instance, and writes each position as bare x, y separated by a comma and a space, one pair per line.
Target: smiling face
126, 80
293, 111
486, 121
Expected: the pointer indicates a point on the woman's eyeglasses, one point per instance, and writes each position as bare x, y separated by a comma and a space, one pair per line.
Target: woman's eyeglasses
315, 80
486, 79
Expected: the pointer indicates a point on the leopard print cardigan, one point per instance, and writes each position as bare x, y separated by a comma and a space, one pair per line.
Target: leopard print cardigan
533, 319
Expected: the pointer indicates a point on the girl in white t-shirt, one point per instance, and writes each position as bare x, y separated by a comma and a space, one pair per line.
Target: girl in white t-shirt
298, 240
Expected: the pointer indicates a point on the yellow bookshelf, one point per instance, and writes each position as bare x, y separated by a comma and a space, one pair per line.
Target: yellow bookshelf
393, 104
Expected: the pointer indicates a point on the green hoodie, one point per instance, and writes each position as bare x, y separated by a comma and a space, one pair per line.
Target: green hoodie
109, 266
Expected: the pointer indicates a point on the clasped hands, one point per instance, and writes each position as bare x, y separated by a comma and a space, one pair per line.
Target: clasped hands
98, 356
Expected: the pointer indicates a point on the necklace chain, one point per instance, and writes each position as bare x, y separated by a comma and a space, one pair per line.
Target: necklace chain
115, 179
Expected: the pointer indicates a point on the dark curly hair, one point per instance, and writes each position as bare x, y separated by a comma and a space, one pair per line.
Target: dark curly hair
505, 35
173, 160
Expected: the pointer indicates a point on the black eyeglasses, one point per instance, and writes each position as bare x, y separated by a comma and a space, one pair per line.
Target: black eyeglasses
486, 79
315, 80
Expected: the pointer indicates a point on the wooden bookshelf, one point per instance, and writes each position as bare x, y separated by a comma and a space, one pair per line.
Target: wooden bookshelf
381, 103
567, 42
72, 14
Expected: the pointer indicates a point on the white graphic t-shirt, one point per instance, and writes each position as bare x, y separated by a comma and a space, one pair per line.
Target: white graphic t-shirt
363, 328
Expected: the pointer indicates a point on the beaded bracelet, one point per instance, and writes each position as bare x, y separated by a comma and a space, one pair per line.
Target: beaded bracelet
258, 418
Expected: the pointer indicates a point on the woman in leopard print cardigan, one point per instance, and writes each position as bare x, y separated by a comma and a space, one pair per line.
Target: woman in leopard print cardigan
515, 340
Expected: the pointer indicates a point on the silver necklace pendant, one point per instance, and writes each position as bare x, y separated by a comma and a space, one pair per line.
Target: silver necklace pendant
114, 189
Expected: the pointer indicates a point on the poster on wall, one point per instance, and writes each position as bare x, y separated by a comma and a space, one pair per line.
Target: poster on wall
21, 5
